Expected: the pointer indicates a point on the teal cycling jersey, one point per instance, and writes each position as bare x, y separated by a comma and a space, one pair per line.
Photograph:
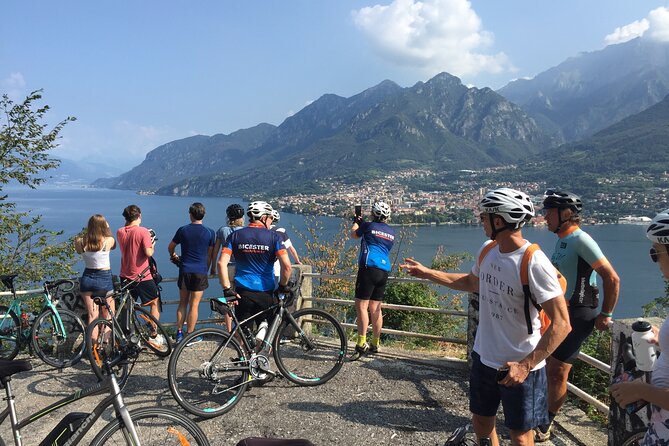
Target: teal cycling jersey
577, 256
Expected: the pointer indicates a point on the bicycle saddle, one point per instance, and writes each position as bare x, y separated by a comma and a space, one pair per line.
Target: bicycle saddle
98, 296
9, 367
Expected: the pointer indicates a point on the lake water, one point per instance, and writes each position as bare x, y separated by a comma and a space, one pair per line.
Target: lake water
68, 209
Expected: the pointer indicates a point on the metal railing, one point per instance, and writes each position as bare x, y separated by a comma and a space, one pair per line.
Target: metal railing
306, 297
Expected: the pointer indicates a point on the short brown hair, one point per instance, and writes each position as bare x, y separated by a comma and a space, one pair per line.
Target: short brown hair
196, 210
131, 213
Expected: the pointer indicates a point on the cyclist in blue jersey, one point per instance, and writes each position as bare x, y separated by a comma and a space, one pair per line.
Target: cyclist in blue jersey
377, 240
255, 248
578, 257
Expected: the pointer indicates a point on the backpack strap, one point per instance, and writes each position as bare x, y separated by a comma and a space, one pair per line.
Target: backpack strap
484, 252
525, 281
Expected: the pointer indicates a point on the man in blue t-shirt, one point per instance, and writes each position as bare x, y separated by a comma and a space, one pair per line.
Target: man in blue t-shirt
255, 248
197, 243
377, 240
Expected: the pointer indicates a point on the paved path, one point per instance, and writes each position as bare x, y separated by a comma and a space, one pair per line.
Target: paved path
381, 400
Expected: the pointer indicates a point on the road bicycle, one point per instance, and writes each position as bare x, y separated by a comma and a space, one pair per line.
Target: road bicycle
125, 334
139, 427
210, 370
56, 336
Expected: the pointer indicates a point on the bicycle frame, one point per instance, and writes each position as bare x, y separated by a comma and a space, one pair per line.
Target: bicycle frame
115, 398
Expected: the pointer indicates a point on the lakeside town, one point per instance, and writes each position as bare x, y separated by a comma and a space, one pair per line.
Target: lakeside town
458, 202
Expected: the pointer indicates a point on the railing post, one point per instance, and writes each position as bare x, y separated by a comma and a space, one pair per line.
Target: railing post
621, 423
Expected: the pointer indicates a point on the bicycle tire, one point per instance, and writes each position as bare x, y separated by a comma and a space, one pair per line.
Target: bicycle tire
96, 346
635, 438
315, 353
203, 385
55, 348
9, 333
156, 426
144, 322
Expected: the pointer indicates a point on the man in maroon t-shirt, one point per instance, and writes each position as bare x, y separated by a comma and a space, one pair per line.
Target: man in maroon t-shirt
137, 246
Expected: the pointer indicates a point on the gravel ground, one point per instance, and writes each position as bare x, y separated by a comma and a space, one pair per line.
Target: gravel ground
379, 400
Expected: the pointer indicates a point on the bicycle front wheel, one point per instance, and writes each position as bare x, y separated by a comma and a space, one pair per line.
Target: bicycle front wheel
153, 334
155, 426
208, 372
313, 351
9, 333
59, 346
103, 342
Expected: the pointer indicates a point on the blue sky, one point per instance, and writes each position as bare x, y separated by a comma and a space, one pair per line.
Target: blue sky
138, 74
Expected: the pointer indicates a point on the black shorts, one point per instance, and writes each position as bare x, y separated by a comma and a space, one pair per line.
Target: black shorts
193, 281
582, 323
146, 291
252, 302
370, 283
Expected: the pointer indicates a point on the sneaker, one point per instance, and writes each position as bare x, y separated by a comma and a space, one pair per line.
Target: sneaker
542, 433
180, 336
373, 349
194, 341
359, 351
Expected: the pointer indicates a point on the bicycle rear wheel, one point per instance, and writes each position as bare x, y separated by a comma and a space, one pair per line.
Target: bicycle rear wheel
9, 333
155, 427
59, 348
105, 342
314, 351
152, 334
208, 377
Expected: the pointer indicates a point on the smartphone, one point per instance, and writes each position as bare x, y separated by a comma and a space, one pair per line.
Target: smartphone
358, 210
501, 374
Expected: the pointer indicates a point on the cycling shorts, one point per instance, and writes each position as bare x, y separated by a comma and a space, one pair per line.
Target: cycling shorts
370, 283
582, 324
193, 281
252, 302
146, 291
525, 405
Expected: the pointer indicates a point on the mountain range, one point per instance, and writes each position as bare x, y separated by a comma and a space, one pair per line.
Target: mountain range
439, 124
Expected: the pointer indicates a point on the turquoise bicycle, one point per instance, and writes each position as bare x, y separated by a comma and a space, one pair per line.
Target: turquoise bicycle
56, 336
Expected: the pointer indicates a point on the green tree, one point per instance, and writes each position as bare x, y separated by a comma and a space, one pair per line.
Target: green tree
26, 247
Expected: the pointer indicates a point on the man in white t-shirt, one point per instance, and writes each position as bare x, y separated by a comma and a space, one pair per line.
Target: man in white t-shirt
507, 362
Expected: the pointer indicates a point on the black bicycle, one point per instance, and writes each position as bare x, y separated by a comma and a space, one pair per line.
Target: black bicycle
56, 335
148, 426
210, 370
125, 334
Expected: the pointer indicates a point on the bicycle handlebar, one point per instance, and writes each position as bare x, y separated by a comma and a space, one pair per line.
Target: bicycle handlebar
48, 285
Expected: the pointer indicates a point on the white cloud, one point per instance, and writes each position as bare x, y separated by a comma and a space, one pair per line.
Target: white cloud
654, 27
659, 25
13, 86
431, 35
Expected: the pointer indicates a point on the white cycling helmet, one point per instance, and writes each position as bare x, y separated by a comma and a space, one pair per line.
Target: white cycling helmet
275, 216
257, 209
658, 230
380, 210
513, 206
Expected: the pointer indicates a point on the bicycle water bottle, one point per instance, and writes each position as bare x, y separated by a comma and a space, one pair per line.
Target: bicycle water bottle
643, 349
262, 330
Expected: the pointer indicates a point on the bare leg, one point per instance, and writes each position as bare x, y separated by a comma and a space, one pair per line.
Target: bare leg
91, 307
183, 307
195, 297
484, 427
522, 438
361, 307
557, 374
376, 317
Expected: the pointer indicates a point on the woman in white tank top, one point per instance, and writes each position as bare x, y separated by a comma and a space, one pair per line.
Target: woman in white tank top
94, 247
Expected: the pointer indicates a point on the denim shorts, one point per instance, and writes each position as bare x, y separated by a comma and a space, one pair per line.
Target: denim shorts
96, 280
525, 405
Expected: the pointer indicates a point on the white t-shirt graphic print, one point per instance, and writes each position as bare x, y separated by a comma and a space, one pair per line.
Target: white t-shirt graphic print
502, 331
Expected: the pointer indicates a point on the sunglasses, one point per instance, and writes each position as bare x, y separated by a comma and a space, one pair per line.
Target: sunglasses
654, 254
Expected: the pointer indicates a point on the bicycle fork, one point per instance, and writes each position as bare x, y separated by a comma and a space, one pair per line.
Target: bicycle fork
130, 433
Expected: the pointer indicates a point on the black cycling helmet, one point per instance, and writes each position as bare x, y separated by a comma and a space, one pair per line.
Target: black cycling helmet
557, 199
234, 211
